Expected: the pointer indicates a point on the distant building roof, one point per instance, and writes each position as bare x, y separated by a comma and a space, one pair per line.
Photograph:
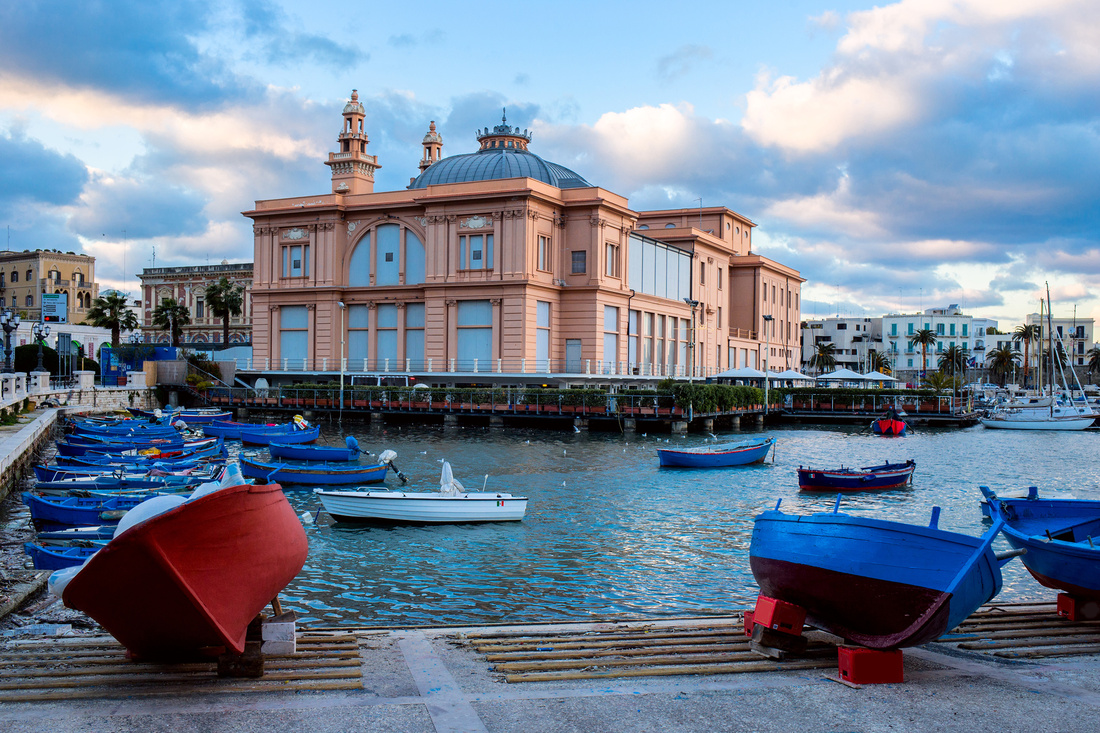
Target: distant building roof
503, 154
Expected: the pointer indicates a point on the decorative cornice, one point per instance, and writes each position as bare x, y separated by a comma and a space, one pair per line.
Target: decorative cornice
295, 234
476, 222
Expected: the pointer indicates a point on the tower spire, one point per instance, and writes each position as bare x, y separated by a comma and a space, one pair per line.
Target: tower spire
352, 169
433, 148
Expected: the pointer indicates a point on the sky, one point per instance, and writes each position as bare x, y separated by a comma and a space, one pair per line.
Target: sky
900, 156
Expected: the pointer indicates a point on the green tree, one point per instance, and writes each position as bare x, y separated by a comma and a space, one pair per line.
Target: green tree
1001, 361
824, 356
877, 362
225, 299
111, 311
172, 317
953, 360
1094, 359
1027, 334
925, 338
941, 382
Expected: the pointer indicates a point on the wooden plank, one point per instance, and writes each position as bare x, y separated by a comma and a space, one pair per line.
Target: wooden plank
601, 644
108, 693
659, 659
683, 649
1053, 651
1019, 643
698, 669
656, 634
1065, 631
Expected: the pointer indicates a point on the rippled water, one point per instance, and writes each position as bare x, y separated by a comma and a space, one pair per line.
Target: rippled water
610, 534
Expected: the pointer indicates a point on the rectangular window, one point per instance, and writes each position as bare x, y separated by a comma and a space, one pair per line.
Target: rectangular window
965, 329
702, 273
199, 305
719, 278
719, 316
939, 329
910, 328
632, 340
475, 335
414, 335
542, 336
358, 322
612, 260
893, 329
610, 338
579, 262
386, 346
544, 254
296, 260
294, 334
952, 329
480, 248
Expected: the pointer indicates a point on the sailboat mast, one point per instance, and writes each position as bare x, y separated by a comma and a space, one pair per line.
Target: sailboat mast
1050, 342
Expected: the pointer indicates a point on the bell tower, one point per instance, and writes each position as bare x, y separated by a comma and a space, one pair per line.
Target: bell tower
433, 148
352, 169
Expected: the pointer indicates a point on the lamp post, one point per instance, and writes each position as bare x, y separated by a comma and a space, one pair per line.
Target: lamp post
10, 322
41, 331
342, 308
767, 360
691, 334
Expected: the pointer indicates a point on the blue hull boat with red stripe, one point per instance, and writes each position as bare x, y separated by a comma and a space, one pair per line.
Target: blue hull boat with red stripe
885, 476
716, 456
880, 584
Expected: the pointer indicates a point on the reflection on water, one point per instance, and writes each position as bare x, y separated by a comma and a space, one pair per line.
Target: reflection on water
609, 534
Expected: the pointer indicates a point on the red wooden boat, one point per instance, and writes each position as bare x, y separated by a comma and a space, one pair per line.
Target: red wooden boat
186, 583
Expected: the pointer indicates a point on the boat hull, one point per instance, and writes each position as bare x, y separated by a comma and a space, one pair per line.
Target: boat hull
1065, 560
296, 452
1067, 423
188, 582
891, 476
883, 585
888, 427
57, 557
259, 437
398, 507
316, 475
79, 511
736, 456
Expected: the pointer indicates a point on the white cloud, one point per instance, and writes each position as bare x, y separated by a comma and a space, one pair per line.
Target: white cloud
830, 210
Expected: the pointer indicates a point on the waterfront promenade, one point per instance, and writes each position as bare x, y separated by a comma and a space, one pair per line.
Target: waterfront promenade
414, 680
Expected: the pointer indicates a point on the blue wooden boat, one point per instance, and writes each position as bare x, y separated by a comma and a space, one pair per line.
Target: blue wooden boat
1061, 538
140, 430
68, 536
56, 557
716, 455
257, 437
77, 448
313, 474
79, 511
296, 452
162, 470
884, 476
889, 424
200, 416
881, 584
231, 430
116, 484
213, 453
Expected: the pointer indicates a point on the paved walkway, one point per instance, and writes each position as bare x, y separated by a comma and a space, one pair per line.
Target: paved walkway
427, 680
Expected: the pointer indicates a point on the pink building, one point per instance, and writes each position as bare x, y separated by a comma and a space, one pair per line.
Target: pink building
500, 267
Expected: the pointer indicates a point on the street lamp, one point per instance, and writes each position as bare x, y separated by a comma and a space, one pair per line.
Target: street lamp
10, 322
691, 334
41, 331
342, 309
767, 361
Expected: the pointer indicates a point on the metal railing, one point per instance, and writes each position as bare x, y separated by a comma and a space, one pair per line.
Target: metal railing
499, 401
580, 367
825, 402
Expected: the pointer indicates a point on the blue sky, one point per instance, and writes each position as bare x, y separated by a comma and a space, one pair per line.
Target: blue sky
906, 155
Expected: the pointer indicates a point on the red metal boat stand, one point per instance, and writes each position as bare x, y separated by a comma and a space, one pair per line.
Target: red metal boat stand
1075, 608
776, 628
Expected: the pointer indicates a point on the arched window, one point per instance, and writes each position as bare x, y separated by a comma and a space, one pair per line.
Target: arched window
359, 265
30, 275
30, 301
14, 276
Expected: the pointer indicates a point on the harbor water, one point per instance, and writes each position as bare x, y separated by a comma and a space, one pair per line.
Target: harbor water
610, 535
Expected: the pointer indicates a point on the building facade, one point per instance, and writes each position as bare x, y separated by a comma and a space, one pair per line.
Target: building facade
187, 286
1075, 334
498, 265
26, 276
951, 326
852, 339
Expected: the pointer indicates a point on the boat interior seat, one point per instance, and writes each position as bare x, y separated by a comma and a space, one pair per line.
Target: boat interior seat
1078, 532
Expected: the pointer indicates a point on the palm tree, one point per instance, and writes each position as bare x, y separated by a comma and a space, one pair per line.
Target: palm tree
925, 337
953, 360
1027, 333
111, 310
824, 356
877, 362
225, 299
1002, 361
1094, 359
941, 382
171, 316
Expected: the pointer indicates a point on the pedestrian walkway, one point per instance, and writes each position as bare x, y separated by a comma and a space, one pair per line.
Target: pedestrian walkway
414, 680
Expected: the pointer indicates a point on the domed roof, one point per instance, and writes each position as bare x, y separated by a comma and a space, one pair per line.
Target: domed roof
354, 106
503, 154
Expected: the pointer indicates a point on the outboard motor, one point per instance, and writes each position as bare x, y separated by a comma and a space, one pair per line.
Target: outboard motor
386, 457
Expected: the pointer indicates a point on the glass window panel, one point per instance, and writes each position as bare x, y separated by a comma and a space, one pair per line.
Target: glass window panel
359, 264
414, 347
475, 313
293, 317
414, 315
475, 343
543, 313
358, 316
387, 241
357, 347
294, 345
387, 347
414, 258
610, 318
387, 316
